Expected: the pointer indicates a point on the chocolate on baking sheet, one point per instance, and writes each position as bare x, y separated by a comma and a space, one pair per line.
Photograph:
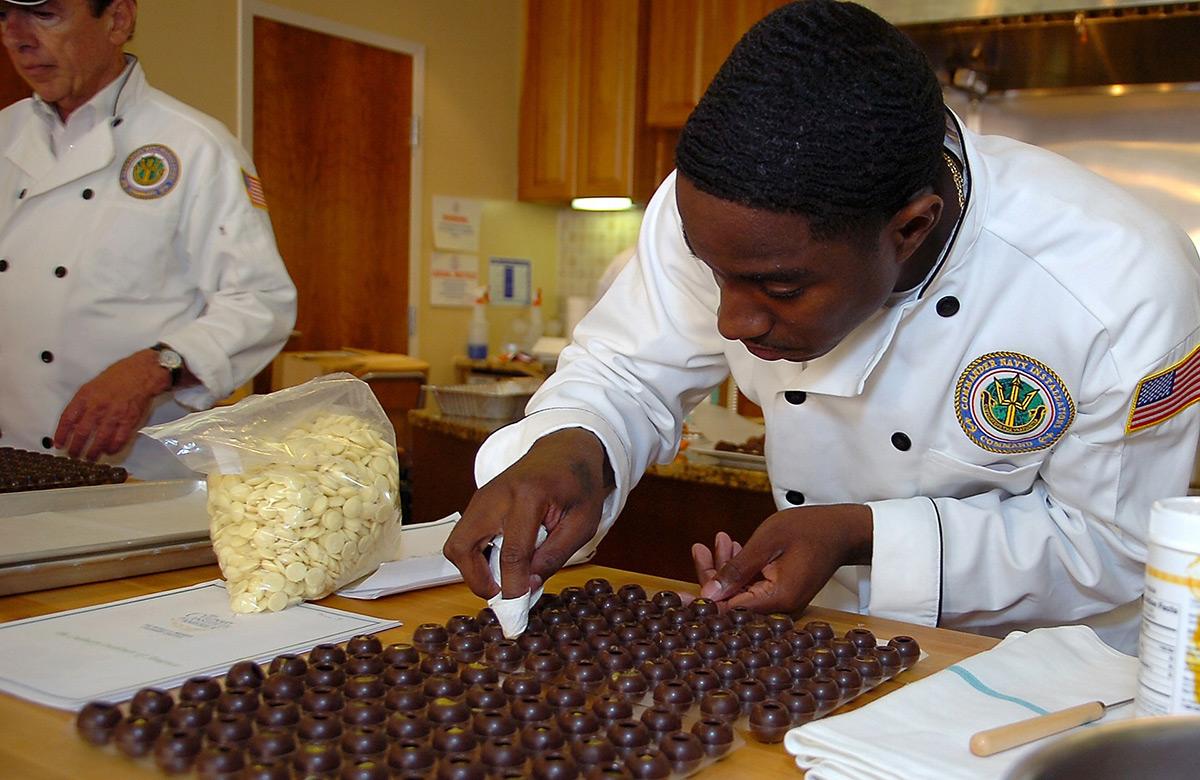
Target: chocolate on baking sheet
685, 686
22, 470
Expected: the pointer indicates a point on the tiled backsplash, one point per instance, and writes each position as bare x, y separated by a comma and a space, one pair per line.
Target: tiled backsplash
587, 242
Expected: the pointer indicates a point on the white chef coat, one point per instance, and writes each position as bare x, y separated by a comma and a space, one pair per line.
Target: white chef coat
1056, 276
99, 263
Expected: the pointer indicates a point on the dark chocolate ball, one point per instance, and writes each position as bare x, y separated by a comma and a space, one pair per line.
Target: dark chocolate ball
578, 724
685, 659
364, 768
616, 659
319, 727
861, 638
534, 641
778, 649
565, 632
646, 763
821, 632
740, 616
325, 675
643, 650
316, 758
825, 691
597, 586
566, 695
320, 699
593, 750
364, 644
720, 704
326, 654
657, 670
243, 700
364, 741
753, 658
430, 637
801, 705
530, 709
439, 663
200, 689
541, 737
151, 703
674, 693
444, 710
585, 672
289, 664
714, 734
869, 668
682, 749
701, 608
800, 668
407, 726
486, 696
270, 745
890, 660
96, 722
908, 649
244, 674
502, 752
364, 712
450, 739
591, 624
505, 654
220, 761
800, 640
175, 750
486, 617
848, 679
277, 714
190, 715
701, 680
403, 674
467, 647
493, 723
611, 707
364, 664
631, 593
575, 650
229, 728
628, 733
280, 687
602, 640
443, 685
729, 670
665, 599
462, 624
711, 650
735, 641
843, 649
364, 686
257, 770
823, 658
400, 653
554, 765
773, 678
545, 664
477, 673
661, 718
408, 756
405, 698
769, 721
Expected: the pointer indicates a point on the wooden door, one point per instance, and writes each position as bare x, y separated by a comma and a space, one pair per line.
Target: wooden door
332, 142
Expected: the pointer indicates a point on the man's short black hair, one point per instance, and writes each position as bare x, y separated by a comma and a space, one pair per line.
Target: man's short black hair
823, 109
99, 6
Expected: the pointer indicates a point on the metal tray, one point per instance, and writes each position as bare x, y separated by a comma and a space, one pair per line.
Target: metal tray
86, 534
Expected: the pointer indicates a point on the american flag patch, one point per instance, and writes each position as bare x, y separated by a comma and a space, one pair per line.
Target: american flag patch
1165, 394
254, 189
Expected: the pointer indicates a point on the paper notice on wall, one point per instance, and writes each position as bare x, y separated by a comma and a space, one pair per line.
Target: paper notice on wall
509, 281
456, 223
453, 279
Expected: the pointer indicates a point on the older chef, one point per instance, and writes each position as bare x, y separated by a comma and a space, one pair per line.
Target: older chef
139, 276
977, 361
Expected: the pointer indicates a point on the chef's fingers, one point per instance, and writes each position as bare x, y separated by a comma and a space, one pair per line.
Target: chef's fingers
103, 438
702, 559
741, 569
67, 422
465, 547
516, 554
563, 541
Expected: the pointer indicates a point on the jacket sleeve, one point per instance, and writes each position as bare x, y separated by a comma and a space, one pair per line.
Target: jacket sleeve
640, 360
1072, 547
249, 299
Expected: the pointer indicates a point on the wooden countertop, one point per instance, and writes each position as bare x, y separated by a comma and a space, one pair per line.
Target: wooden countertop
39, 742
476, 429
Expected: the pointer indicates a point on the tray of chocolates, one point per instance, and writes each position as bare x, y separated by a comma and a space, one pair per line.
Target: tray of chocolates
603, 683
23, 470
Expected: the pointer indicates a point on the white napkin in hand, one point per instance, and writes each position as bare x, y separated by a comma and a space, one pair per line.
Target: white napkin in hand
513, 614
923, 729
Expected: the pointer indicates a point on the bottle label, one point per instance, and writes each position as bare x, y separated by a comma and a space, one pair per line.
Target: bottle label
1169, 645
477, 351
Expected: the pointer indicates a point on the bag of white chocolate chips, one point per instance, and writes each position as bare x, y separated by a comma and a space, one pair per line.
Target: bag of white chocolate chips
303, 488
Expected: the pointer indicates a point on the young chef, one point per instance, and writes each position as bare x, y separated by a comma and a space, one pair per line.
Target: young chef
971, 354
139, 277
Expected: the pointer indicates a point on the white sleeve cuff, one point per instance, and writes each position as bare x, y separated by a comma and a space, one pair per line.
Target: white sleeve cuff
509, 444
906, 560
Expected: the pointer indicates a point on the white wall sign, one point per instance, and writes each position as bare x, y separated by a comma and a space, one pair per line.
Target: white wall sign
456, 223
453, 279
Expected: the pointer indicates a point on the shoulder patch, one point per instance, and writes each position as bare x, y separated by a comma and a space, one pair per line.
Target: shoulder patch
150, 172
1007, 402
1164, 394
254, 189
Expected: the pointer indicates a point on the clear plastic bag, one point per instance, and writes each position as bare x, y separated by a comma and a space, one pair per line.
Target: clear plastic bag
303, 488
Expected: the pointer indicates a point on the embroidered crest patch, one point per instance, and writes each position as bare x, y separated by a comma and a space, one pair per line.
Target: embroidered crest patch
150, 172
1007, 402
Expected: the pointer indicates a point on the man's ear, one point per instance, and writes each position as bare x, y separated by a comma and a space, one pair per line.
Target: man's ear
909, 227
122, 19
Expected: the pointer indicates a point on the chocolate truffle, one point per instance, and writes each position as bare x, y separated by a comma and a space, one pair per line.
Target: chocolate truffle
701, 680
228, 728
446, 710
405, 698
530, 709
267, 746
439, 663
220, 761
701, 608
407, 726
403, 674
861, 638
801, 705
631, 593
364, 664
319, 727
327, 654
674, 693
175, 750
665, 599
800, 668
661, 719
748, 691
554, 765
720, 704
715, 735
577, 724
800, 640
97, 721
602, 640
616, 659
890, 660
711, 650
151, 703
477, 673
430, 637
821, 632
533, 641
610, 707
364, 686
778, 649
486, 617
454, 738
502, 752
647, 763
325, 675
753, 658
869, 668
565, 632
546, 665
493, 724
593, 750
629, 683
657, 670
281, 687
289, 664
443, 685
848, 679
575, 650
685, 659
279, 714
769, 721
541, 737
200, 689
319, 699
774, 678
243, 700
364, 741
363, 768
908, 649
316, 759
566, 695
466, 647
190, 715
400, 653
244, 674
521, 684
505, 654
597, 586
405, 756
682, 749
364, 712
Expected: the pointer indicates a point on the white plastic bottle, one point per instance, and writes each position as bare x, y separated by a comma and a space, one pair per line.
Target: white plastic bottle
477, 332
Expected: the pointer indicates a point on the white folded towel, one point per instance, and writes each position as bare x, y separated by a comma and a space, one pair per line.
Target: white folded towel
922, 730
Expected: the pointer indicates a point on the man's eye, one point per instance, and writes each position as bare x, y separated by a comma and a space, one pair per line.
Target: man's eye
783, 293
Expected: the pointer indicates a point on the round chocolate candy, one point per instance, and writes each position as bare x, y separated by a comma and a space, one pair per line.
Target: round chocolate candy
694, 633
486, 696
685, 659
151, 703
493, 724
443, 685
861, 638
175, 750
554, 765
575, 650
718, 624
530, 709
239, 700
714, 734
657, 670
801, 705
602, 640
586, 673
229, 728
97, 721
661, 719
439, 663
316, 759
720, 704
477, 673
277, 714
327, 654
753, 658
505, 654
407, 726
578, 724
630, 683
711, 650
325, 675
670, 640
823, 658
409, 756
546, 665
616, 659
364, 686
674, 693
533, 641
701, 680
773, 678
748, 691
258, 770
630, 633
364, 768
825, 691
593, 750
778, 649
400, 653
450, 739
492, 634
281, 687
555, 616
289, 664
403, 674
683, 750
444, 709
647, 763
800, 640
502, 752
364, 644
565, 632
405, 698
268, 746
619, 617
364, 741
244, 674
430, 637
631, 593
628, 734
769, 721
573, 594
364, 712
462, 624
908, 649
200, 689
655, 625
735, 641
740, 616
729, 670
610, 707
643, 650
645, 610
190, 715
597, 586
869, 668
467, 647
667, 599
486, 617
566, 695
780, 623
613, 770
220, 761
318, 699
319, 727
821, 632
701, 608
364, 664
844, 649
890, 660
583, 609
541, 737
848, 679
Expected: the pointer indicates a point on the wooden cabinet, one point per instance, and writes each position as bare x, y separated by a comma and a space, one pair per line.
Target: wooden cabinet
582, 129
689, 39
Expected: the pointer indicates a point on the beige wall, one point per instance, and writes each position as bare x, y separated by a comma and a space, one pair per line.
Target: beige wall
472, 89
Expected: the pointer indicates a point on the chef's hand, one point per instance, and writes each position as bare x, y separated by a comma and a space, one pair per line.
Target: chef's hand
791, 556
709, 562
107, 411
561, 484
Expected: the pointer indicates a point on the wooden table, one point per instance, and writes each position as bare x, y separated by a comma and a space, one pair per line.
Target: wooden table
39, 742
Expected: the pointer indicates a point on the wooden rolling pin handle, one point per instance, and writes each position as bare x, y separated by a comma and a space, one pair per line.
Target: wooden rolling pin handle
985, 743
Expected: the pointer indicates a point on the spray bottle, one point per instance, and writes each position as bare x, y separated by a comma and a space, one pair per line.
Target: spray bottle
535, 322
477, 333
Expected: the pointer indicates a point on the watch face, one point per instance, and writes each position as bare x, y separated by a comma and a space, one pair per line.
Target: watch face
169, 358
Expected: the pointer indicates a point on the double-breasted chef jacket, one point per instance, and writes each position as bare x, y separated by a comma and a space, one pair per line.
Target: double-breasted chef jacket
148, 227
1006, 421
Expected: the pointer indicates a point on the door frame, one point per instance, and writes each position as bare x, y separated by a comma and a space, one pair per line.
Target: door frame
247, 11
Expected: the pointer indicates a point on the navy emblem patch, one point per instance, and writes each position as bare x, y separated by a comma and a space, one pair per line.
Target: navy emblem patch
150, 172
1007, 402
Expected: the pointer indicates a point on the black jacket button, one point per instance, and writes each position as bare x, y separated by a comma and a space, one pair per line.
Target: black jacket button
88, 194
117, 122
948, 306
21, 194
3, 266
796, 397
794, 497
47, 357
901, 441
47, 442
60, 272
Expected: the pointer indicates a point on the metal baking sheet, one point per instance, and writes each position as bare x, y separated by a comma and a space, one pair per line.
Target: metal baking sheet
45, 525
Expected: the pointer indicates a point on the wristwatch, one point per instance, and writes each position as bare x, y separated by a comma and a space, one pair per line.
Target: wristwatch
170, 360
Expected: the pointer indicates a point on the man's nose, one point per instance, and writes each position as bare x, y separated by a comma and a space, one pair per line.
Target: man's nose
15, 31
739, 316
